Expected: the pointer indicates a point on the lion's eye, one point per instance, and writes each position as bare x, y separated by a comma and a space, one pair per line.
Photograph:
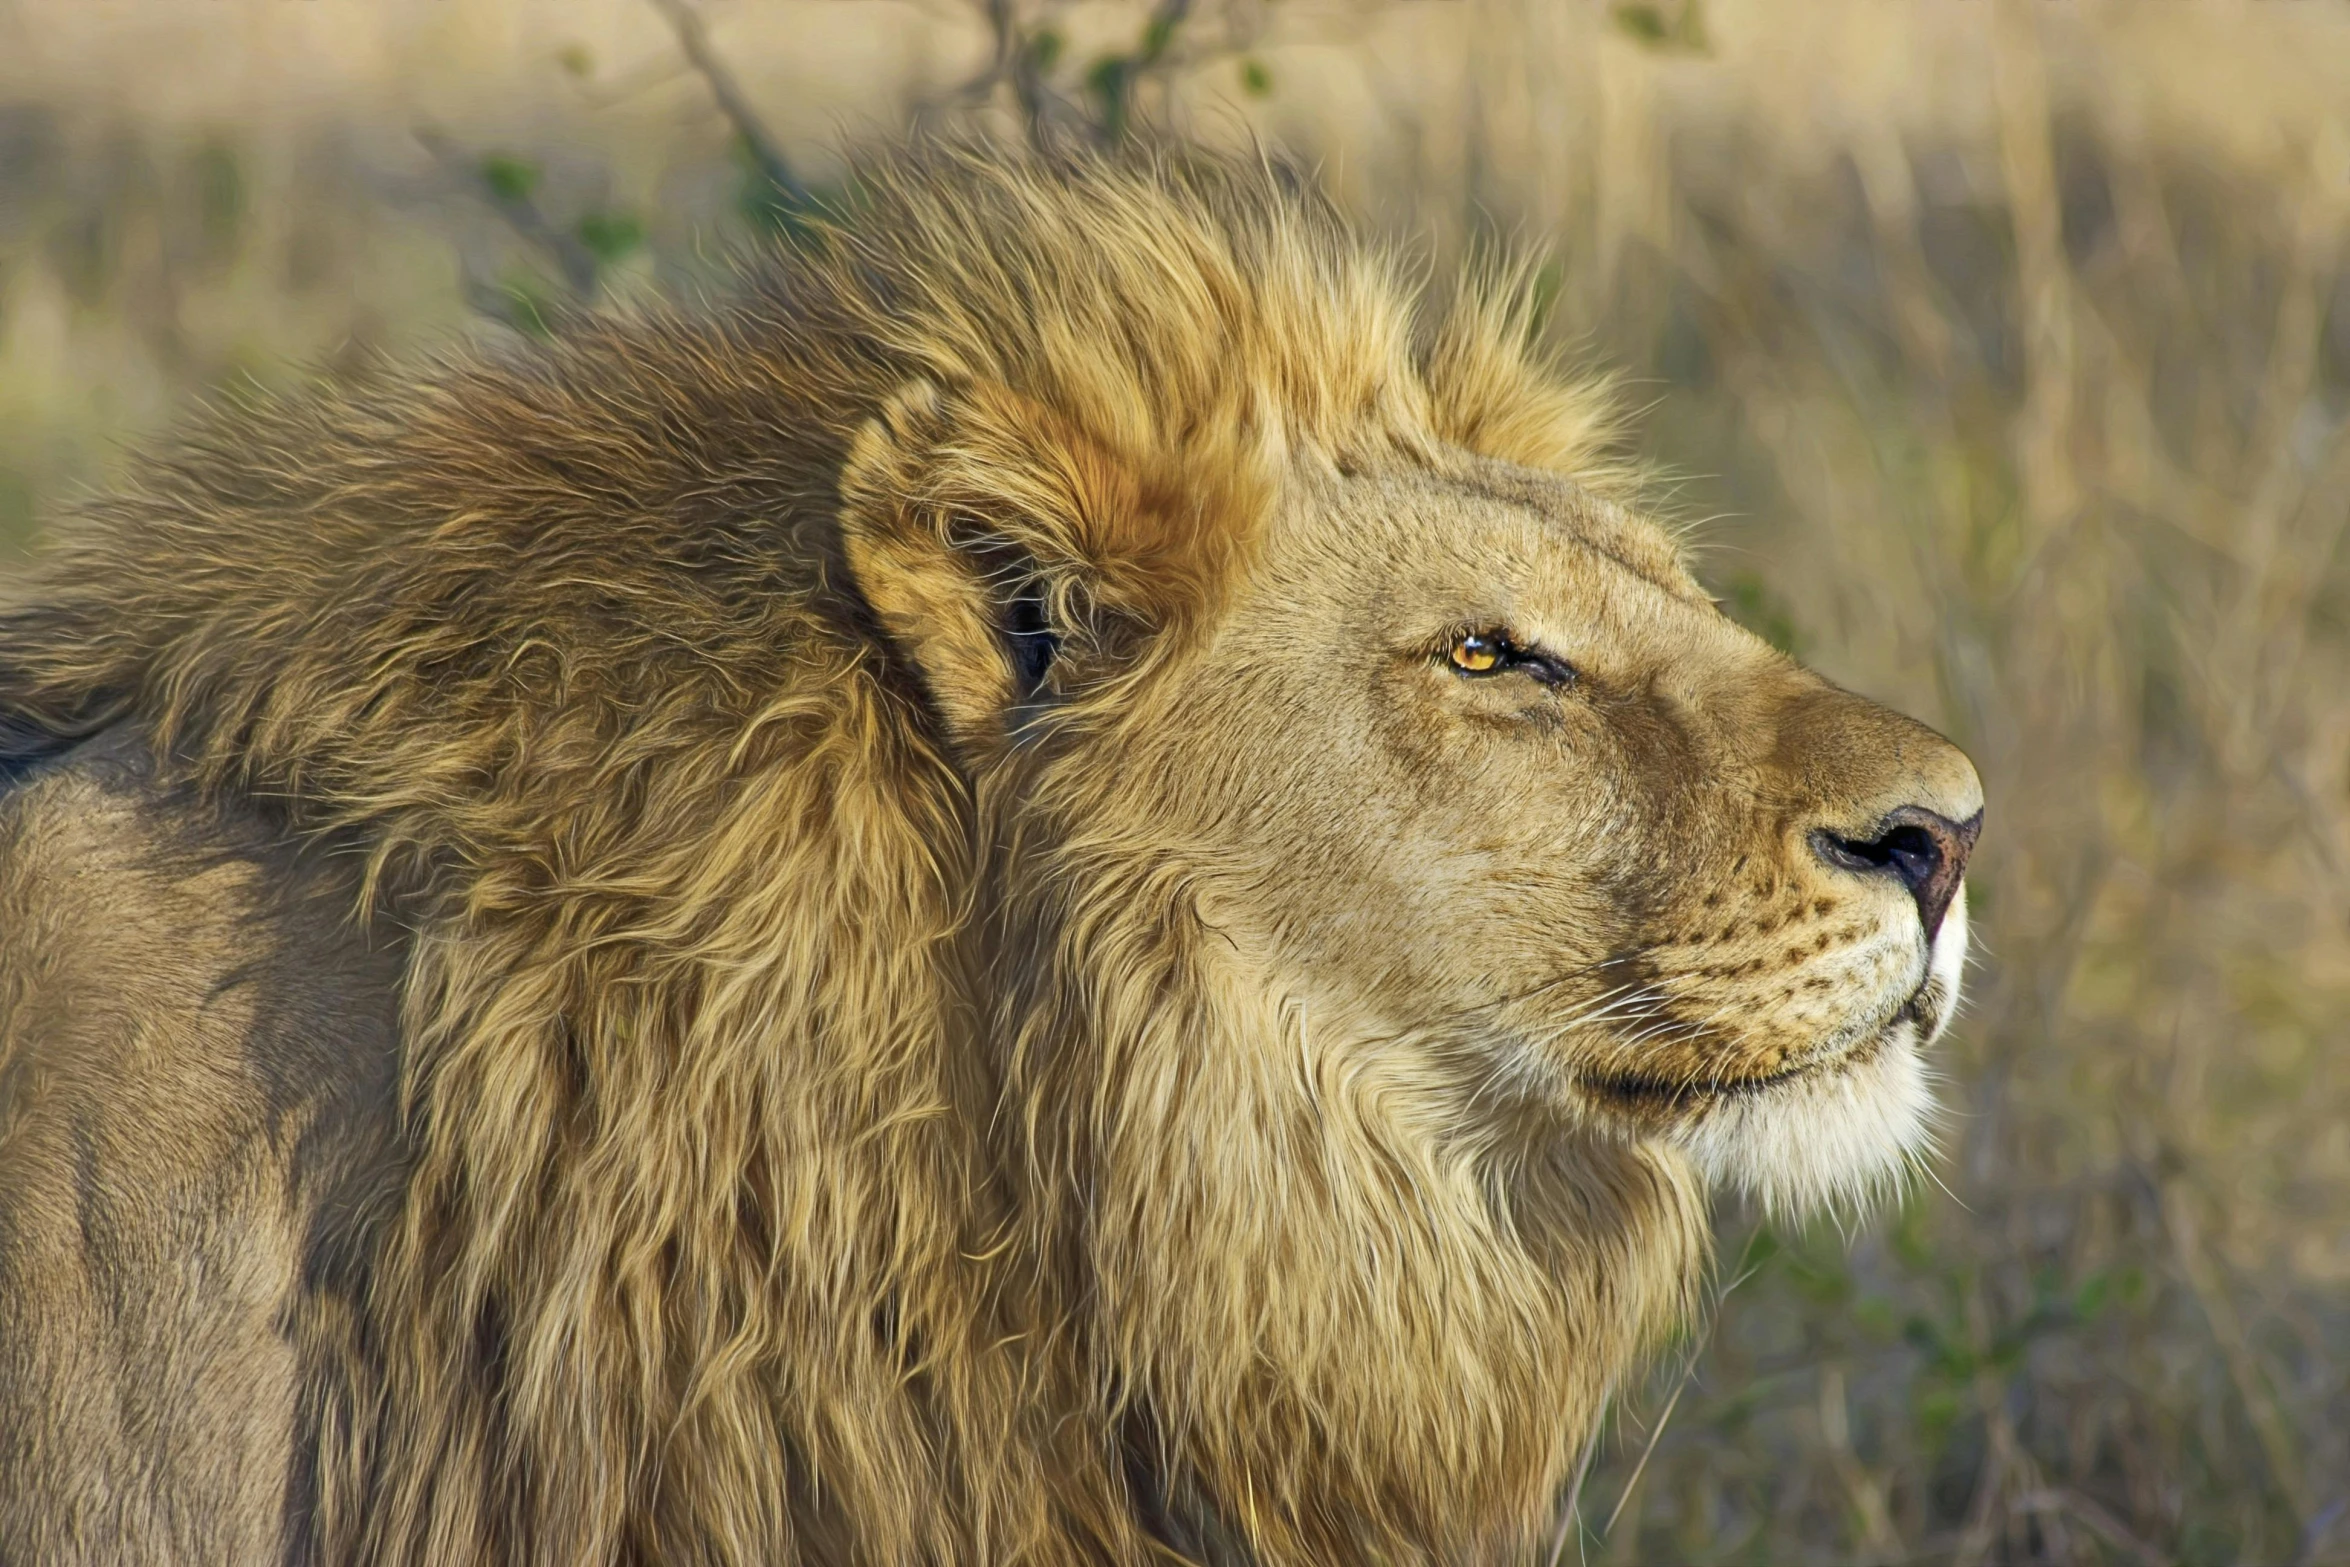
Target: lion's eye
1478, 652
1491, 652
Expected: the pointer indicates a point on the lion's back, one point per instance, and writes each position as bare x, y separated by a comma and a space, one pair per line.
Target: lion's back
197, 1127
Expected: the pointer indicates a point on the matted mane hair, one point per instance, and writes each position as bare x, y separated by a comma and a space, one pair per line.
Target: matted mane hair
810, 1161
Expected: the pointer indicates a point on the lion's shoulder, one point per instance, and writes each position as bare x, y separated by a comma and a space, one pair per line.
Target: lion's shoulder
197, 1095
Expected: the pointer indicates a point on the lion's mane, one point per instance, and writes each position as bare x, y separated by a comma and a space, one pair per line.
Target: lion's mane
796, 1176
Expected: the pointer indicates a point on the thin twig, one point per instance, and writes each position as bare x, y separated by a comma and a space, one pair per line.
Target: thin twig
1011, 58
1654, 1437
693, 40
1570, 1511
576, 262
1739, 1275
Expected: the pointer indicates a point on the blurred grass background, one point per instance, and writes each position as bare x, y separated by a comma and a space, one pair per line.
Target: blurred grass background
2002, 350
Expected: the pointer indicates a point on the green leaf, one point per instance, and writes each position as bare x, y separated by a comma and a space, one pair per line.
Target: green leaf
1681, 29
1938, 1409
2129, 1286
525, 304
1255, 79
1106, 78
576, 59
765, 205
610, 236
1110, 80
1044, 48
1909, 1228
1944, 1355
220, 195
1644, 22
1156, 36
1825, 1282
509, 178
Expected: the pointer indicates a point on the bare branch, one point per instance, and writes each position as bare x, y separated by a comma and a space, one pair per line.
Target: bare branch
693, 40
571, 257
1107, 102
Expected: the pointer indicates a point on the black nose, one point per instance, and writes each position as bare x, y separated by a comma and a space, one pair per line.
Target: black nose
1924, 851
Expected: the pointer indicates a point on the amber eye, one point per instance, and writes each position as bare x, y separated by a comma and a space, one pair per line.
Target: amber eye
1478, 652
1491, 652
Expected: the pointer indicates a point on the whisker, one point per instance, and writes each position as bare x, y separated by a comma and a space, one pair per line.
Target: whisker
1566, 977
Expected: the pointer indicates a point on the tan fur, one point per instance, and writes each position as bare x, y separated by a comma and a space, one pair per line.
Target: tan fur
1228, 1101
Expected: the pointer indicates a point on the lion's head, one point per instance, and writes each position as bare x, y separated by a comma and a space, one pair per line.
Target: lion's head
1125, 893
1383, 817
1460, 764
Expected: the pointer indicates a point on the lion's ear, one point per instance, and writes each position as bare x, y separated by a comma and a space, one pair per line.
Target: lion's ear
958, 588
999, 539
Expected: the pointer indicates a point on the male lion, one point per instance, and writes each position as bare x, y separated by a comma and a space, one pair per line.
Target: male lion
1065, 887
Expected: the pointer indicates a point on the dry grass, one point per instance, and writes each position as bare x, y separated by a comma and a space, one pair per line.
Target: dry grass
2007, 349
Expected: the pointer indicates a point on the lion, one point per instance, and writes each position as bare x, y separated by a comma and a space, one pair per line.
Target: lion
1071, 882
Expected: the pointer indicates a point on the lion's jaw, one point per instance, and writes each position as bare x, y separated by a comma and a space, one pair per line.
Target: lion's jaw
1849, 1127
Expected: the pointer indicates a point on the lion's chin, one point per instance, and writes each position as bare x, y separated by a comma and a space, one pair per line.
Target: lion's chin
1846, 1134
1842, 1137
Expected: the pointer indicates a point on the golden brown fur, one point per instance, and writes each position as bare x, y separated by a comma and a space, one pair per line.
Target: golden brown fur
1230, 1091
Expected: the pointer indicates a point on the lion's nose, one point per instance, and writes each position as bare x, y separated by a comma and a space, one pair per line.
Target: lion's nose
1923, 850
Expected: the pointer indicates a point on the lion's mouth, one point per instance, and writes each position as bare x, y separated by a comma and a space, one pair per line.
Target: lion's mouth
1641, 1093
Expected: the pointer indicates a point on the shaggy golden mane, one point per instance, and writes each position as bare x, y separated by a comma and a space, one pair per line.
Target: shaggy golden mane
819, 1151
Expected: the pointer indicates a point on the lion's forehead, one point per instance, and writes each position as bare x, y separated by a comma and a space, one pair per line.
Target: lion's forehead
1516, 535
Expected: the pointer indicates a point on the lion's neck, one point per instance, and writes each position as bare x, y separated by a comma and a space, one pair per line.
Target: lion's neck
1346, 1319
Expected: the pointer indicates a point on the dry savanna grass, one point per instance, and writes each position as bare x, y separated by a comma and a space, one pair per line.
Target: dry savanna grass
1998, 356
